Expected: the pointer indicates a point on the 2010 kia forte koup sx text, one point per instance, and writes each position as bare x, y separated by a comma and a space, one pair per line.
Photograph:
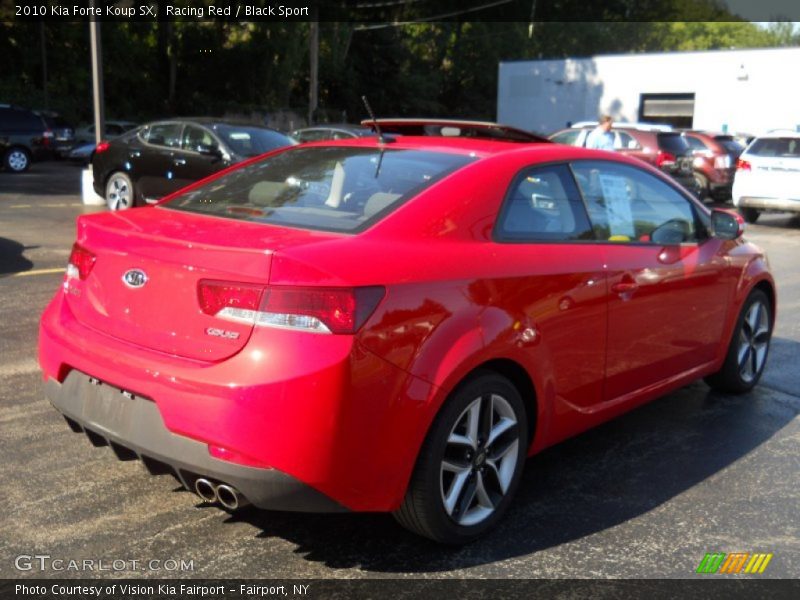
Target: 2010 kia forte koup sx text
396, 324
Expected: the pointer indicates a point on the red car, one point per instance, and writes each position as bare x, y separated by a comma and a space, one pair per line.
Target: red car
394, 325
714, 163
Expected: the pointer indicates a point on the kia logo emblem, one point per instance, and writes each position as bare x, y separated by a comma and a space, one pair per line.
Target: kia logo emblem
135, 278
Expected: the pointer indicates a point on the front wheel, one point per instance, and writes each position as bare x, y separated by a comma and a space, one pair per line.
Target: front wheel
470, 464
119, 192
747, 353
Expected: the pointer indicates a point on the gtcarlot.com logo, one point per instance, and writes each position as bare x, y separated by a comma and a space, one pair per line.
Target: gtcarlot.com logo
45, 562
734, 563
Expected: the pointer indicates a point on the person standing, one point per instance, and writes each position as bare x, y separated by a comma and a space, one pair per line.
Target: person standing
601, 137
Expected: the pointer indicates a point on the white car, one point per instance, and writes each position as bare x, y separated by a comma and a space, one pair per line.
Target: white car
768, 175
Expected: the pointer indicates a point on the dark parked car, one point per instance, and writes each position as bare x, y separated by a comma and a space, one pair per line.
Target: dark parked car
24, 137
320, 133
657, 145
715, 157
159, 158
63, 132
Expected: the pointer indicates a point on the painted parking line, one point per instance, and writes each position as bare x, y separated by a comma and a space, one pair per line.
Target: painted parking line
38, 272
54, 205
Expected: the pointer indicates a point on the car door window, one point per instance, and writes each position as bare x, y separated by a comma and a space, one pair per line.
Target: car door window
194, 137
164, 134
543, 204
627, 204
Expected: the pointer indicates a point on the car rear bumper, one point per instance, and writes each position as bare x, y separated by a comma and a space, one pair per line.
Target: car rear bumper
133, 427
765, 203
317, 409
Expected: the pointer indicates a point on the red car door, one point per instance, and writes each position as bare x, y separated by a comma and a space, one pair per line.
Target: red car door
553, 283
666, 278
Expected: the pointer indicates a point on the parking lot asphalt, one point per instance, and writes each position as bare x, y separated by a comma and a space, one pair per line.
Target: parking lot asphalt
644, 496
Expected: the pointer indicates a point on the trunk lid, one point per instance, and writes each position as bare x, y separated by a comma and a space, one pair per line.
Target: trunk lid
174, 251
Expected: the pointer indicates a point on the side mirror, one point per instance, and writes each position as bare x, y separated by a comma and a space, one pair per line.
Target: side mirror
726, 224
208, 150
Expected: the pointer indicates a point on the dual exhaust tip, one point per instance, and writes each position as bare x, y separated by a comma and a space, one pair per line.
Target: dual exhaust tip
212, 493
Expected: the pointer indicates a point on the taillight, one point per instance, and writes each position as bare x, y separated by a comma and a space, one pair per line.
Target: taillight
723, 162
80, 263
315, 309
47, 138
742, 165
665, 158
101, 147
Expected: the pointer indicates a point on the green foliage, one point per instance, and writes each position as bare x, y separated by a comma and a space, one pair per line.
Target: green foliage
422, 69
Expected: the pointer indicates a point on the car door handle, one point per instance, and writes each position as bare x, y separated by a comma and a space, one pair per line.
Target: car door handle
135, 154
179, 161
624, 287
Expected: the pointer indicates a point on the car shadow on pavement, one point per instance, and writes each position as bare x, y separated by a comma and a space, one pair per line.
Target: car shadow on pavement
49, 178
598, 480
12, 259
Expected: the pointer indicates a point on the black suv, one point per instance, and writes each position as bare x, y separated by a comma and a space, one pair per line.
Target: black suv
24, 136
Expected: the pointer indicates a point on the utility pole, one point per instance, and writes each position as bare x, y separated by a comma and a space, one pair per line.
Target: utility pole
44, 64
313, 82
97, 78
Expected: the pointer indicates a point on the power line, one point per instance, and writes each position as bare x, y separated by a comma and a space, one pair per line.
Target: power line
434, 18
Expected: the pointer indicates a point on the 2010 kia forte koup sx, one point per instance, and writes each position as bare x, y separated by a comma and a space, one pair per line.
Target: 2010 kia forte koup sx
396, 324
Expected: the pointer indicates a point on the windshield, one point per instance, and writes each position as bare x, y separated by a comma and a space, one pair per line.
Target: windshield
251, 141
327, 188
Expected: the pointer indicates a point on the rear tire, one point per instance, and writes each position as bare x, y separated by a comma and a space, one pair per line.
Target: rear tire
747, 354
17, 160
120, 193
701, 187
750, 214
470, 464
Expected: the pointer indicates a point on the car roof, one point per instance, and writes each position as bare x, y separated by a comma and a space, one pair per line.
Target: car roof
781, 133
336, 126
494, 131
638, 126
211, 121
482, 148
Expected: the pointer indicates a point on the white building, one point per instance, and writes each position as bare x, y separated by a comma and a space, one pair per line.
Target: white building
739, 91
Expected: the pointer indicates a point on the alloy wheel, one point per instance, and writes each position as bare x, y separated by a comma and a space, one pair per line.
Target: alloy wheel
118, 193
753, 342
480, 460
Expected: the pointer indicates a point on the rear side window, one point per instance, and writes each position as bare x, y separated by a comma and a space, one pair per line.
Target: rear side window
543, 204
786, 147
12, 119
674, 143
327, 188
627, 204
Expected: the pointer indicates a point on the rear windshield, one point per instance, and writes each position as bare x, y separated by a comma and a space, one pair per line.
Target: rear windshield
785, 146
731, 146
327, 188
673, 142
251, 141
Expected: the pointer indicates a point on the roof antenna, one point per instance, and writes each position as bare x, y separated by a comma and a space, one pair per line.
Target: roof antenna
381, 138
